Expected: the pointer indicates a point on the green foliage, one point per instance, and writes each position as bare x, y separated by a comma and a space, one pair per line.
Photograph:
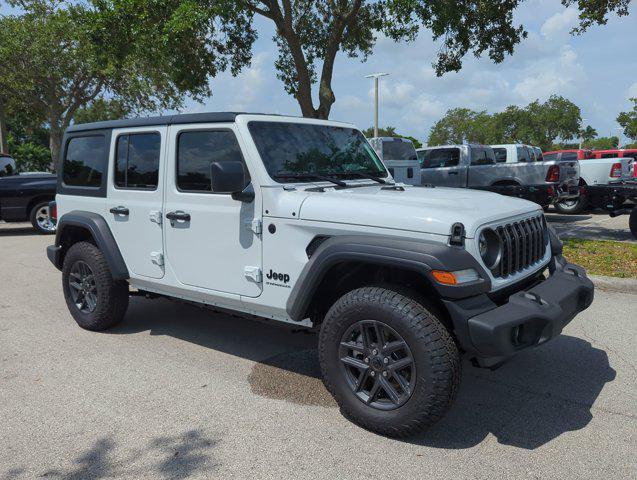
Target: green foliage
30, 156
100, 110
196, 39
588, 134
462, 125
536, 124
391, 132
628, 121
602, 143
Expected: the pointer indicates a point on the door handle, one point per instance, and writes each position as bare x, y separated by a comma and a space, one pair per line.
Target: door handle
453, 172
178, 215
119, 210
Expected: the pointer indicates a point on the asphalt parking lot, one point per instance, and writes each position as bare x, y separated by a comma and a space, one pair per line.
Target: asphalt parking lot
178, 392
592, 225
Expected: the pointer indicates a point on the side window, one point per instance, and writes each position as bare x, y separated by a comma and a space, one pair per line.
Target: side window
441, 157
85, 161
568, 156
137, 161
482, 156
523, 155
196, 150
7, 166
608, 155
500, 155
551, 157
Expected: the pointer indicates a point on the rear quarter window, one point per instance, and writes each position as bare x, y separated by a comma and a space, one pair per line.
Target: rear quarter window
568, 156
85, 161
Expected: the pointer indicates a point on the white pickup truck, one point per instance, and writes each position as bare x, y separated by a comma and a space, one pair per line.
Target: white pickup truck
593, 171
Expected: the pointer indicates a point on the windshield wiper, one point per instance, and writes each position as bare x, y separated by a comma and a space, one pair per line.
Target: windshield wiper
369, 175
315, 176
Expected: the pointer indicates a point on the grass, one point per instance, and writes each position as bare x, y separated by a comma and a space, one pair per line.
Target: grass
603, 257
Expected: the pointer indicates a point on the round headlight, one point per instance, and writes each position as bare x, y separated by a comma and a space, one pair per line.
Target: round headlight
489, 246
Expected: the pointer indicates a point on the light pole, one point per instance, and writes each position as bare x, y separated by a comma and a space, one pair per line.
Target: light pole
581, 134
376, 76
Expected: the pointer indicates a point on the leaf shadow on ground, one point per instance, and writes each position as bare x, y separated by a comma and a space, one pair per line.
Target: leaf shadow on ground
171, 457
536, 397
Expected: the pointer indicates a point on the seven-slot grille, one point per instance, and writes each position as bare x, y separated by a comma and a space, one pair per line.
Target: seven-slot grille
523, 243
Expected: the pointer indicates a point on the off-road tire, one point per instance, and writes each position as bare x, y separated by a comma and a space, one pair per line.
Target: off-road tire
579, 206
112, 296
33, 218
632, 222
436, 359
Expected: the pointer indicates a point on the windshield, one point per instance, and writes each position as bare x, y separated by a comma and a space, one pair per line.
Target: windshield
298, 149
399, 150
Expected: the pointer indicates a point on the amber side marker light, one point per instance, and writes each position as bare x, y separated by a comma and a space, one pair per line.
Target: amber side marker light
455, 278
446, 278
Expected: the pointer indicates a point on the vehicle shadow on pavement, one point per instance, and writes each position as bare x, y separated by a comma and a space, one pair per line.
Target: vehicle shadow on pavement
533, 399
529, 401
172, 457
17, 231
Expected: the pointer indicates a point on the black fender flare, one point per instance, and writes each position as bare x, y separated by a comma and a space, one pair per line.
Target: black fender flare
415, 255
96, 225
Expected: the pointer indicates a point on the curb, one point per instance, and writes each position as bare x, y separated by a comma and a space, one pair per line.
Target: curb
613, 284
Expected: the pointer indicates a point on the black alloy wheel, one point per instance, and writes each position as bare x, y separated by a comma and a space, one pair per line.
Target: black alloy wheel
378, 364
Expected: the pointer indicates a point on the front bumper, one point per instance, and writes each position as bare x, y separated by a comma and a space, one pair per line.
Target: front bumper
492, 332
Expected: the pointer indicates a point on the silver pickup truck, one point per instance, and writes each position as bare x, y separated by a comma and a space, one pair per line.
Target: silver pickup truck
513, 167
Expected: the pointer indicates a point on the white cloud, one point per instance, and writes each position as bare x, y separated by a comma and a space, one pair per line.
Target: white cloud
560, 24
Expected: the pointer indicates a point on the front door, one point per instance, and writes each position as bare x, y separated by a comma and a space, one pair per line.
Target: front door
211, 239
134, 198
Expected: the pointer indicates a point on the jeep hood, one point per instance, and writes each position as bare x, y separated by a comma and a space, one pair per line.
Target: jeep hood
419, 209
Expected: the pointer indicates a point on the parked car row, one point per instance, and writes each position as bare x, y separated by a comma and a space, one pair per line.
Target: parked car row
26, 196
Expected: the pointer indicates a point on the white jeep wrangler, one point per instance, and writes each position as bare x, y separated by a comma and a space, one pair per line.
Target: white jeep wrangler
299, 221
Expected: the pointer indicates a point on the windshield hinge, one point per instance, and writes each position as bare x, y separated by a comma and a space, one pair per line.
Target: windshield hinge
254, 273
255, 225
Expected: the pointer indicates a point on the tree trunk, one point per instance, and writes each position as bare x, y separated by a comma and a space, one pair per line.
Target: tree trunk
4, 145
55, 144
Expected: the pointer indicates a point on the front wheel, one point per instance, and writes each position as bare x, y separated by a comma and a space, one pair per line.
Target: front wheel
391, 365
95, 300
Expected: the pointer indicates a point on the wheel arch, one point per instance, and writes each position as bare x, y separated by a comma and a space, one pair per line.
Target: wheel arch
77, 226
343, 263
38, 199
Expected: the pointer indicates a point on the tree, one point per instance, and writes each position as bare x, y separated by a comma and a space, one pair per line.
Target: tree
100, 110
311, 33
558, 117
628, 121
588, 134
59, 65
602, 143
391, 132
462, 125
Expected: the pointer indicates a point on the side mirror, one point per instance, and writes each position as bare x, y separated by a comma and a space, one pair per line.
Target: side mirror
229, 177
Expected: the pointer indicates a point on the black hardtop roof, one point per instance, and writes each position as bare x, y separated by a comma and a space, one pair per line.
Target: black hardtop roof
211, 117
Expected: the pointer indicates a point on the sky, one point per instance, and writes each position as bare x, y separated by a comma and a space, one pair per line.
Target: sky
596, 70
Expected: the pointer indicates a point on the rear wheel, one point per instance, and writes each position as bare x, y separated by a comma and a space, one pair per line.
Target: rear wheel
41, 220
390, 364
95, 300
572, 207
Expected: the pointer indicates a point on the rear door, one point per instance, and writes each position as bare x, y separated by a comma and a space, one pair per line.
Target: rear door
484, 170
134, 197
442, 166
